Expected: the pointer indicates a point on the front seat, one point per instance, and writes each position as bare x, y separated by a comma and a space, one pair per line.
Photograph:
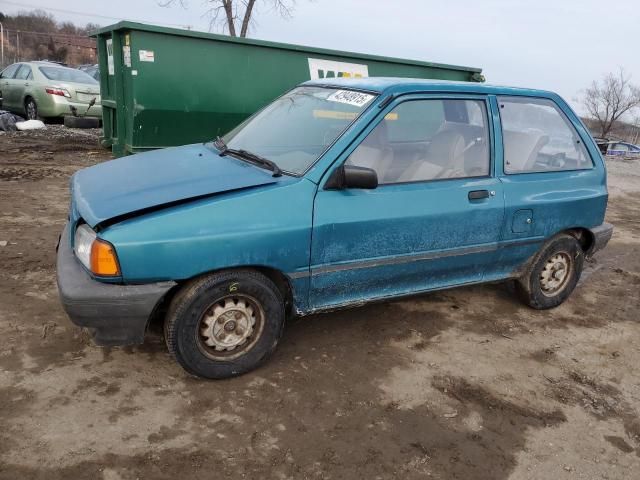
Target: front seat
444, 159
374, 152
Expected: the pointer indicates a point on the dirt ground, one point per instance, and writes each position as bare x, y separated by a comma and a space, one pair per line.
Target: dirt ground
464, 384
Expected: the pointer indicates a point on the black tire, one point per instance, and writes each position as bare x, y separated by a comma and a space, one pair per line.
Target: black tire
545, 285
81, 122
198, 301
31, 109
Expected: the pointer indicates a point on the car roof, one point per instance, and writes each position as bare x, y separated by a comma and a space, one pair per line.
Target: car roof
392, 85
42, 63
622, 142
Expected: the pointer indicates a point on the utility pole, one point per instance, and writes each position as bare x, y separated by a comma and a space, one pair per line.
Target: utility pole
636, 130
1, 45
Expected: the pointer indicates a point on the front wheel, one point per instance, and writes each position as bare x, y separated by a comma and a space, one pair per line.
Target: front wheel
225, 324
553, 274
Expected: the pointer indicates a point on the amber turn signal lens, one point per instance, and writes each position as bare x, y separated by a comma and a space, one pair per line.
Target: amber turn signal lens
103, 259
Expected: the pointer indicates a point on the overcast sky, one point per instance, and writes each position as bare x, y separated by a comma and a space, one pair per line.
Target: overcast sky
560, 45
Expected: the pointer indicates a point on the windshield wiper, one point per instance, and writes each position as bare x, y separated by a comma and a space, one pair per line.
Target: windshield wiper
220, 144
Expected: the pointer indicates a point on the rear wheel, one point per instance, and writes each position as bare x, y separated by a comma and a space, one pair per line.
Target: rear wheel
553, 274
31, 109
225, 324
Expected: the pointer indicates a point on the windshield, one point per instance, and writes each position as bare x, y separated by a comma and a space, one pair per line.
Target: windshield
297, 128
62, 74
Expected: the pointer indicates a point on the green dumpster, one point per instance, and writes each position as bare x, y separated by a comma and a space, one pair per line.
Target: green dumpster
162, 87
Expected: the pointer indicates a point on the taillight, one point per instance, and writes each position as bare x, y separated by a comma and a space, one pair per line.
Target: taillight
57, 91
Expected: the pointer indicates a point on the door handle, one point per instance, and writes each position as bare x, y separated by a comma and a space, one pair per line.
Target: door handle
478, 194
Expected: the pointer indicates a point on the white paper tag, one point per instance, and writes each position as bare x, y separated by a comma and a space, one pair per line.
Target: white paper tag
126, 55
110, 65
357, 99
147, 56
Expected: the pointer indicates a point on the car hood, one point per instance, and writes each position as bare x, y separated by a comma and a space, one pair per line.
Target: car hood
151, 180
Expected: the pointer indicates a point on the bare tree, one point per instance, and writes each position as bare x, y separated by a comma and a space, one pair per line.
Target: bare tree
235, 16
610, 99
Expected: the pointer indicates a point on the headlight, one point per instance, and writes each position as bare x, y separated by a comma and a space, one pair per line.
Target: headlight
94, 253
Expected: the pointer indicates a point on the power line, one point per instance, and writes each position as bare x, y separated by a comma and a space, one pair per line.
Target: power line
44, 34
60, 38
85, 14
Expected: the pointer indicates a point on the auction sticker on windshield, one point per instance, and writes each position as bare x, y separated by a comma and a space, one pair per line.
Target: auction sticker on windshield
349, 97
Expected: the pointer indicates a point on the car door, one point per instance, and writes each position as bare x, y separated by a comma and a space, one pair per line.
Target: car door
433, 221
6, 86
21, 82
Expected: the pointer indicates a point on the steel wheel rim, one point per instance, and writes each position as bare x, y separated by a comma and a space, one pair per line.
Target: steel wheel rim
230, 326
31, 110
556, 273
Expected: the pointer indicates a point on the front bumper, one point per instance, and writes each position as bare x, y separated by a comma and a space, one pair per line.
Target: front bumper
601, 236
115, 314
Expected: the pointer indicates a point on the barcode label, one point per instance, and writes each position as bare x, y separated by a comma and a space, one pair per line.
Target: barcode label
357, 99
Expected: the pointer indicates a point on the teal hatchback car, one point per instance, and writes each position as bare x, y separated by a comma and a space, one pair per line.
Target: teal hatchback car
340, 192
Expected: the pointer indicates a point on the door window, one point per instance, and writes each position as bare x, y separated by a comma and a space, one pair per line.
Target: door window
10, 71
537, 137
423, 140
24, 73
621, 147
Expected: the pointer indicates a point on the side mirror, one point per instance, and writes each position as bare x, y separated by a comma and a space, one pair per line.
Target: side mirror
351, 176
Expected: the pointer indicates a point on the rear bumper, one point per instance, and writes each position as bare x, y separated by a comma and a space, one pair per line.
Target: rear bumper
115, 314
59, 106
601, 235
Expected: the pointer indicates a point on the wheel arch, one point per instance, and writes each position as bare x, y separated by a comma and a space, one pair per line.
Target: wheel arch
585, 237
280, 280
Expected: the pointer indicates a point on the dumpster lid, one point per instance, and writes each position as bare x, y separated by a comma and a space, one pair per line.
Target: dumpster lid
127, 25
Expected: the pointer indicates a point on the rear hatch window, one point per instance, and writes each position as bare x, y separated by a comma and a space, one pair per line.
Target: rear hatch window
61, 74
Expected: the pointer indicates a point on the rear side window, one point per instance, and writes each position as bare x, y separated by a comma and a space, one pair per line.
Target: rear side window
10, 71
537, 137
621, 146
24, 73
423, 140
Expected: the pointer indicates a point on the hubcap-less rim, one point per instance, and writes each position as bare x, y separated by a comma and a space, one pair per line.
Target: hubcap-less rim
230, 326
555, 274
31, 111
